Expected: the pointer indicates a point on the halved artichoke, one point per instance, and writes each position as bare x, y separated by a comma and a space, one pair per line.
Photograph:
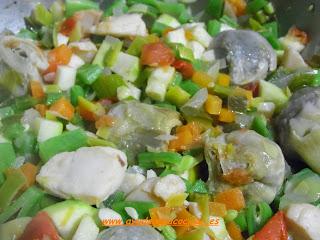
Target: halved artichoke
247, 160
299, 127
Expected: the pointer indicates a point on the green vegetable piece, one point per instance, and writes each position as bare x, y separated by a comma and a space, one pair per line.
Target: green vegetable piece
27, 198
14, 228
138, 42
199, 187
24, 103
25, 143
57, 10
185, 16
149, 160
256, 5
113, 53
257, 216
231, 215
213, 27
215, 8
27, 34
75, 92
269, 9
66, 142
261, 17
92, 141
46, 37
166, 105
66, 215
114, 198
99, 58
272, 27
227, 20
177, 96
13, 130
187, 162
106, 85
185, 53
255, 25
6, 112
7, 157
73, 6
28, 209
272, 93
177, 79
171, 8
158, 28
144, 10
272, 39
41, 15
168, 232
259, 124
190, 87
89, 73
53, 97
142, 208
153, 3
241, 221
305, 79
116, 5
14, 182
203, 203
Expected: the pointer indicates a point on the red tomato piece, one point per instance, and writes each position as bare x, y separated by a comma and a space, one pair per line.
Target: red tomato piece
39, 228
275, 229
67, 26
156, 54
185, 68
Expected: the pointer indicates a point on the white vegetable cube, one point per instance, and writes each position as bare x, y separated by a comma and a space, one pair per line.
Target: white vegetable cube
123, 26
177, 36
169, 186
48, 129
65, 77
168, 20
125, 92
127, 66
62, 39
76, 61
225, 27
201, 35
87, 229
196, 48
158, 82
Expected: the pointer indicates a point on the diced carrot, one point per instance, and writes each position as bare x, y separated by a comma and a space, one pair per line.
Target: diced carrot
183, 140
36, 90
217, 209
41, 108
238, 177
90, 111
202, 79
234, 231
161, 215
191, 220
213, 105
223, 79
232, 198
239, 6
58, 56
30, 172
63, 108
193, 127
104, 121
226, 116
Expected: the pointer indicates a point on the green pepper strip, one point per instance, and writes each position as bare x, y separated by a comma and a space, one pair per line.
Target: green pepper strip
26, 199
142, 208
257, 216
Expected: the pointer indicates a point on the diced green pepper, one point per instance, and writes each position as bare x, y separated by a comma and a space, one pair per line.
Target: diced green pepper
215, 8
259, 124
6, 112
106, 85
166, 105
213, 27
257, 216
73, 6
256, 5
28, 34
142, 208
241, 220
89, 73
177, 96
113, 53
14, 182
117, 4
149, 160
144, 9
199, 187
27, 198
114, 198
177, 79
66, 142
53, 97
75, 92
190, 87
7, 158
41, 15
25, 143
13, 130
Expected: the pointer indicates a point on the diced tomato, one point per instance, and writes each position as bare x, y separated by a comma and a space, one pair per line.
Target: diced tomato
156, 54
185, 68
58, 56
275, 229
67, 26
39, 228
253, 87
